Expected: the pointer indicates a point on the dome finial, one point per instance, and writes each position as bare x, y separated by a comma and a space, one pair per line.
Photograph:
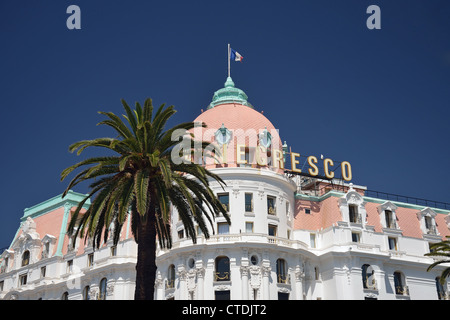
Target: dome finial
229, 94
229, 83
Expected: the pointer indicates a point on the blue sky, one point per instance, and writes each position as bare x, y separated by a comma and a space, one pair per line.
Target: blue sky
376, 98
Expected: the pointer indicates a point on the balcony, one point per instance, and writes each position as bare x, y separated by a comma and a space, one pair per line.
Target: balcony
222, 276
402, 291
241, 237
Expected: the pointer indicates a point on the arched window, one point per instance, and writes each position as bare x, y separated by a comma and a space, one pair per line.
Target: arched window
222, 269
367, 277
281, 271
170, 276
86, 293
26, 258
102, 294
65, 296
400, 284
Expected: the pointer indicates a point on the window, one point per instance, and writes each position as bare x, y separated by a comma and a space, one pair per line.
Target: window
25, 258
222, 295
86, 293
249, 202
102, 294
65, 296
281, 271
427, 222
1, 285
223, 228
367, 277
23, 279
353, 213
272, 230
113, 251
392, 243
399, 284
283, 296
222, 273
271, 208
429, 226
249, 227
170, 277
254, 260
43, 271
69, 266
46, 250
308, 211
181, 234
316, 273
224, 198
390, 221
90, 259
355, 236
4, 265
312, 240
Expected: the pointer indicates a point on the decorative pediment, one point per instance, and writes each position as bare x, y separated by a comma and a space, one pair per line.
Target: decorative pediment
387, 206
48, 238
427, 212
352, 197
28, 236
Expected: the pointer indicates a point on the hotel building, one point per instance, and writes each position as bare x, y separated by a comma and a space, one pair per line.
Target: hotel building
293, 235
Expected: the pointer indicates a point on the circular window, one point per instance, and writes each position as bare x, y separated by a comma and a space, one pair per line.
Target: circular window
191, 263
254, 260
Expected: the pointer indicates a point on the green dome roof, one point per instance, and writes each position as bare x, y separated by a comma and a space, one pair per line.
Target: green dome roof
229, 94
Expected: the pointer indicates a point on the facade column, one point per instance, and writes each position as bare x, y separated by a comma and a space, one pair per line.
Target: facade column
244, 274
200, 283
299, 276
265, 274
159, 286
182, 276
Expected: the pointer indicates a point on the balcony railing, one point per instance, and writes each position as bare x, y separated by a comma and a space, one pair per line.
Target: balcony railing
170, 284
282, 278
242, 237
222, 276
402, 290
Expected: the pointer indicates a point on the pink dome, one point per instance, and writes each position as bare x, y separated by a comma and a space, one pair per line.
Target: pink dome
245, 124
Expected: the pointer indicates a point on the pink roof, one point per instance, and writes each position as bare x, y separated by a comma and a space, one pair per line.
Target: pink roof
234, 117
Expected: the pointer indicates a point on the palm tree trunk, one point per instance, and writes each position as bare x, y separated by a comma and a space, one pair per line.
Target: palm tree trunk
146, 260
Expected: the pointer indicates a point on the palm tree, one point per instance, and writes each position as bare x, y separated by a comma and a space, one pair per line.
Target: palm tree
441, 249
142, 178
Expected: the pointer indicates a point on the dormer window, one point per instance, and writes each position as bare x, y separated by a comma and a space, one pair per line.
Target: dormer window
428, 223
26, 258
388, 217
352, 207
353, 214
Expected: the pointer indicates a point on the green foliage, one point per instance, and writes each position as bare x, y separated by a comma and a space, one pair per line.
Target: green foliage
441, 250
141, 179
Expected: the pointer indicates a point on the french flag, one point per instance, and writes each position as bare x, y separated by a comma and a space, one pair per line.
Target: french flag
234, 55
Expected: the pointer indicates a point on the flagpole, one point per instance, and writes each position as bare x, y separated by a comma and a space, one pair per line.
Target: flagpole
228, 60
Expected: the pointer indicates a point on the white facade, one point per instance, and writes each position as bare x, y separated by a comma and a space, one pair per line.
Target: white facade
282, 263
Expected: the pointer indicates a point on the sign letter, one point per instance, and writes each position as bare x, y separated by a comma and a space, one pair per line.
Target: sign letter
326, 163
